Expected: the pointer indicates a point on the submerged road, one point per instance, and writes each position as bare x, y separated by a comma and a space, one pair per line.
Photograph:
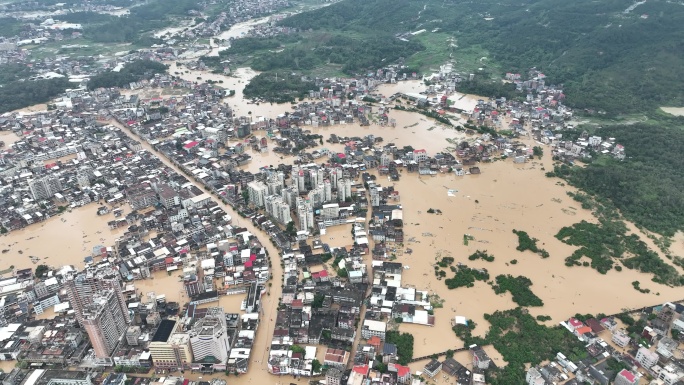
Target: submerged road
269, 304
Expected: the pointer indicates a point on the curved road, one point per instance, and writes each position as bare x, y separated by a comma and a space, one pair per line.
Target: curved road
269, 303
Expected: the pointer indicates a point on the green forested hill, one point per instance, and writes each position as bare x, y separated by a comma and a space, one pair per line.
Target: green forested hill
607, 58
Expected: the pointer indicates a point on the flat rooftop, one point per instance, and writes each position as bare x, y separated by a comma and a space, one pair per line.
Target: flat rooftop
165, 329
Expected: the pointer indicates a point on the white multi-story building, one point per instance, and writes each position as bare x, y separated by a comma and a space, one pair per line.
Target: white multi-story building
327, 191
316, 196
646, 357
373, 328
343, 189
290, 195
420, 155
305, 214
275, 182
45, 187
330, 210
670, 374
257, 193
620, 338
298, 176
209, 337
375, 196
335, 175
278, 209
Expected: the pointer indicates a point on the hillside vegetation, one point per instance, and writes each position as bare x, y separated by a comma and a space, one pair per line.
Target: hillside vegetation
131, 72
647, 187
608, 59
132, 27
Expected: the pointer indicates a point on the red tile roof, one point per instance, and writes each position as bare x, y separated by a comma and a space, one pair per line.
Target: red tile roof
361, 369
629, 376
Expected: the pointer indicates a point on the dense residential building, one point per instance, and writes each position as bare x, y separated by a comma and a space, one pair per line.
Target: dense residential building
45, 187
81, 288
105, 321
305, 214
100, 307
257, 193
278, 209
373, 328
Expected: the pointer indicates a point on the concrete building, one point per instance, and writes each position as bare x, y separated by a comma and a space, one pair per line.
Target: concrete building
305, 214
646, 357
620, 338
670, 374
170, 349
192, 282
132, 335
209, 338
105, 321
45, 187
432, 368
333, 376
278, 209
373, 328
115, 379
58, 377
327, 191
100, 307
625, 377
534, 377
83, 286
343, 189
374, 196
257, 193
480, 358
330, 211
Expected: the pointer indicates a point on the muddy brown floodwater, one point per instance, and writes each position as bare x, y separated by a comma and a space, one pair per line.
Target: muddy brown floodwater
64, 239
488, 207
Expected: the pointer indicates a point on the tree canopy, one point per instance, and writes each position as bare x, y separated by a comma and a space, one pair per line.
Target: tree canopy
606, 58
131, 72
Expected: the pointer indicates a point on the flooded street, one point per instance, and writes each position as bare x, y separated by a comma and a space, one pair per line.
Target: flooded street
237, 82
231, 304
65, 239
9, 138
487, 207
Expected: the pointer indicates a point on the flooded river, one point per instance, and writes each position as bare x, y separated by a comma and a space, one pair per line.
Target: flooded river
488, 207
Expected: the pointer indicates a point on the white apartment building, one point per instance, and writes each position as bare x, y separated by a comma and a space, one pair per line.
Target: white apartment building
257, 193
209, 337
646, 357
278, 209
373, 328
305, 214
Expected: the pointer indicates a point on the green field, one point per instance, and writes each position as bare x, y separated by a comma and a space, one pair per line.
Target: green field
76, 48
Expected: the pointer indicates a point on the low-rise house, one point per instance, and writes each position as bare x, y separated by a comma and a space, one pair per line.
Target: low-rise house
432, 368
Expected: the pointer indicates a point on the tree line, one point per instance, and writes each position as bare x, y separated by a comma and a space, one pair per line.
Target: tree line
131, 72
